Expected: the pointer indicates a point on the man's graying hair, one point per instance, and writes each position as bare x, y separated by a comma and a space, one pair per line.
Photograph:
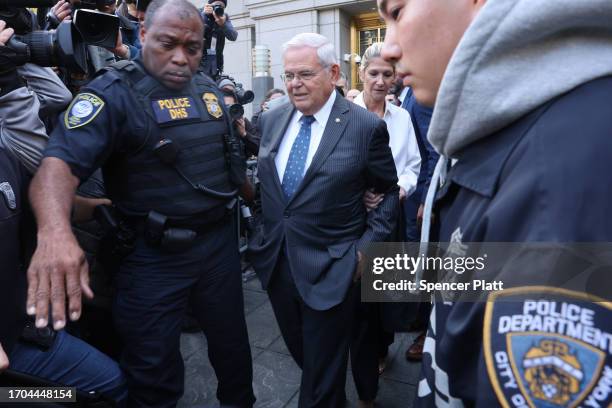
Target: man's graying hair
184, 7
325, 49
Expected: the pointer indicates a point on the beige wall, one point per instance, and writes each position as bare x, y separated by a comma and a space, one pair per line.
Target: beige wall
276, 21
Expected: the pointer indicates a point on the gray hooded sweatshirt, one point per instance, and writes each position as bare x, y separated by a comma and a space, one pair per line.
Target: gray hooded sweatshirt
514, 57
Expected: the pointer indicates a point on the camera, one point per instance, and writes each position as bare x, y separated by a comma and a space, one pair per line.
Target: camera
244, 97
63, 47
236, 111
219, 10
97, 28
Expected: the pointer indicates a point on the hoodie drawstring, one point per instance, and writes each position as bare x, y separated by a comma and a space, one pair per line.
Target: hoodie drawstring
438, 177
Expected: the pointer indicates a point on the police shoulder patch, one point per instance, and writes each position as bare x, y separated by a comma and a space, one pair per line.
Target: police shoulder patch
212, 104
548, 347
83, 109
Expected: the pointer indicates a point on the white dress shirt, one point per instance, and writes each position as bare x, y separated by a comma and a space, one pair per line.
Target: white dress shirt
403, 144
316, 133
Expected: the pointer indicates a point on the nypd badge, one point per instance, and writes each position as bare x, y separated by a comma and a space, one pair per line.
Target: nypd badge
83, 109
548, 347
212, 105
9, 195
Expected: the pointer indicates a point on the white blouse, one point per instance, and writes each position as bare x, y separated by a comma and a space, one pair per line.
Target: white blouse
403, 144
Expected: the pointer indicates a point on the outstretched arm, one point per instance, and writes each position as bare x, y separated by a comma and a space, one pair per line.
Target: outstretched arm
58, 269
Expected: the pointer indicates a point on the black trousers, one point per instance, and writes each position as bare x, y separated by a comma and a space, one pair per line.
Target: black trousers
317, 340
370, 342
153, 291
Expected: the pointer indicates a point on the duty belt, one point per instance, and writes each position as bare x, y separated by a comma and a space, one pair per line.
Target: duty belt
175, 234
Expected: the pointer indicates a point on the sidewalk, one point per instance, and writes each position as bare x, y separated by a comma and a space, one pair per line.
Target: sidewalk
276, 376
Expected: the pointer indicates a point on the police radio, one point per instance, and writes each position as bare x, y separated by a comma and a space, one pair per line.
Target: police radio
166, 151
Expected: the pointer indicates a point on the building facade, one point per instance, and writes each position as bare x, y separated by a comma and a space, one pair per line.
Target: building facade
351, 26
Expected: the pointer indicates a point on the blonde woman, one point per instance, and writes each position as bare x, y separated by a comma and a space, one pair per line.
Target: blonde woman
370, 341
377, 76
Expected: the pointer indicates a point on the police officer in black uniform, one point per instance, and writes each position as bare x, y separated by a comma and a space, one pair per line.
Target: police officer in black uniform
172, 168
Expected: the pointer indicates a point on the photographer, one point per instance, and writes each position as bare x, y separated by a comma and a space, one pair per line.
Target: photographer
217, 27
248, 140
49, 355
247, 132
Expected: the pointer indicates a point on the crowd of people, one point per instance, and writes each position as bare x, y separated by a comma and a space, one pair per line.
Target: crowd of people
479, 121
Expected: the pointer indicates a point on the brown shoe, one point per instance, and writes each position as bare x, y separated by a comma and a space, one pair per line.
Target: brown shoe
415, 351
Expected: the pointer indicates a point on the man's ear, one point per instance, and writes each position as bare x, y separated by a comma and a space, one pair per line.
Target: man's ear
335, 73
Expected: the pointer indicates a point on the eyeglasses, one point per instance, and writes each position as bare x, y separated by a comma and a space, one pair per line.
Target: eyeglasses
300, 76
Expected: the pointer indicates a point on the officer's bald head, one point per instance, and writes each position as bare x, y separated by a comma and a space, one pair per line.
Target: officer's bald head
181, 8
172, 41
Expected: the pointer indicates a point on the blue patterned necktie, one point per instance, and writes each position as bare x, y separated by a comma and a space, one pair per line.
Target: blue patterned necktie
294, 171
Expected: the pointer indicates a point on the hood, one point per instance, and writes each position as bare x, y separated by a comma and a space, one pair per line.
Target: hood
515, 56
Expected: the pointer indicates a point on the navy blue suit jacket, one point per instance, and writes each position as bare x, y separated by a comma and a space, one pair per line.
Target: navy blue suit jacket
323, 225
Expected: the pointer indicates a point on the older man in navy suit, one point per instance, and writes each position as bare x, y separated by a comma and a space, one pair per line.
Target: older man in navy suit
319, 154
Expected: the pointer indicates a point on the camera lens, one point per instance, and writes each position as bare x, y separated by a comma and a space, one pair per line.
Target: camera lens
236, 111
41, 47
218, 10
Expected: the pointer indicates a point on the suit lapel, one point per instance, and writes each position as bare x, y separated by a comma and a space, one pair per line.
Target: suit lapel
278, 131
336, 124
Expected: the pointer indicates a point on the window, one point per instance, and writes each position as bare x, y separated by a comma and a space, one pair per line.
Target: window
366, 29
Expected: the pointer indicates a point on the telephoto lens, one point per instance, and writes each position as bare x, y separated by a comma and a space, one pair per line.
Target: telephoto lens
63, 47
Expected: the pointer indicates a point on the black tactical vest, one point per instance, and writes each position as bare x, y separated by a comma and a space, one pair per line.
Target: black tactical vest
196, 122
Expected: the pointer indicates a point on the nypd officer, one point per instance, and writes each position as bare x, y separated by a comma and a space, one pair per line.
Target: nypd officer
171, 167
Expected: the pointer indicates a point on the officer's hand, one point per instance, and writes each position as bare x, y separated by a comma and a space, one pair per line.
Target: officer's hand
58, 269
5, 33
62, 10
4, 361
371, 200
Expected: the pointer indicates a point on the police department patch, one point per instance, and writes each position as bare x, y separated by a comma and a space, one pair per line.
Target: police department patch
212, 105
548, 347
83, 109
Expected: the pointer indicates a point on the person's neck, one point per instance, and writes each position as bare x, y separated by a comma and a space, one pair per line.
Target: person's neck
377, 107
